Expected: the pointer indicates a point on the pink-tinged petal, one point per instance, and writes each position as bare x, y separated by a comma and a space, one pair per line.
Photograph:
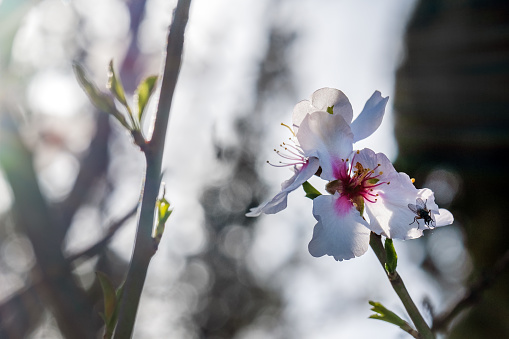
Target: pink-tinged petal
331, 97
394, 185
327, 137
370, 118
301, 175
279, 202
340, 232
389, 215
444, 218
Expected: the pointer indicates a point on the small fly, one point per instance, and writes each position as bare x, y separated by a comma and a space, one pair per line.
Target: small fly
421, 212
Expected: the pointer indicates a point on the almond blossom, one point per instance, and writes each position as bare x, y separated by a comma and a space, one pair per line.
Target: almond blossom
366, 193
304, 161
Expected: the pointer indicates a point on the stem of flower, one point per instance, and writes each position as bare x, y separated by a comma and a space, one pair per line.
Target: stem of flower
144, 247
400, 289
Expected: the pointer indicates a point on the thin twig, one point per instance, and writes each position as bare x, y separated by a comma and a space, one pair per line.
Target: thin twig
92, 166
473, 294
101, 244
400, 289
144, 246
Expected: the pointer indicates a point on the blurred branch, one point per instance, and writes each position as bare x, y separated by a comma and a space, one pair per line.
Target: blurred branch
19, 313
400, 289
128, 66
92, 166
473, 294
99, 246
144, 245
72, 310
22, 311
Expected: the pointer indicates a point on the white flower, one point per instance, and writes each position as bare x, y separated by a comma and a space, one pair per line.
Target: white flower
366, 193
304, 159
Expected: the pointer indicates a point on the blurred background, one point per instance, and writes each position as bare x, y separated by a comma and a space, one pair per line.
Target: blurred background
70, 177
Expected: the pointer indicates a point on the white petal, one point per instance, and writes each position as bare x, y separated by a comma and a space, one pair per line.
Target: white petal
390, 214
279, 202
331, 97
428, 197
441, 216
327, 137
301, 175
300, 111
394, 219
341, 235
444, 218
370, 118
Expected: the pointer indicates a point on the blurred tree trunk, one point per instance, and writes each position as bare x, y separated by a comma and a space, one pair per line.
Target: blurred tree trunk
52, 284
452, 112
235, 300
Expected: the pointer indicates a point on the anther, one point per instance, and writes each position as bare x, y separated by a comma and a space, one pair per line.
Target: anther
412, 180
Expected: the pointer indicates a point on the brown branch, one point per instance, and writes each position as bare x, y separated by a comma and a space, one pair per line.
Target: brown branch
473, 295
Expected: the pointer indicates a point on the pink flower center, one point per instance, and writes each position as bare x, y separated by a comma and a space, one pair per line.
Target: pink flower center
355, 183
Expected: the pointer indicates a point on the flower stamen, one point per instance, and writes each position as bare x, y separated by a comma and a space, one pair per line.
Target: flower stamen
293, 153
291, 130
356, 182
